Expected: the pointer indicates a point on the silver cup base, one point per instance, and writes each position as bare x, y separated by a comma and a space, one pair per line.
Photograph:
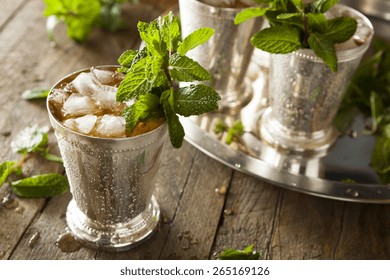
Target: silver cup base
113, 237
296, 142
234, 101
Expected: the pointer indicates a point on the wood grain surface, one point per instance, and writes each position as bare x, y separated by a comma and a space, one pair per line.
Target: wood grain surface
197, 221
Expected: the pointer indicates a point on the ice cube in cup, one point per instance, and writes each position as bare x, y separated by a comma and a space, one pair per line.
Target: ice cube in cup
111, 126
107, 77
105, 97
83, 124
79, 105
85, 83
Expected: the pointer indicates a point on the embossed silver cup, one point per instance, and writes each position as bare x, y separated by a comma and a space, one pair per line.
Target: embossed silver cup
111, 180
305, 94
228, 52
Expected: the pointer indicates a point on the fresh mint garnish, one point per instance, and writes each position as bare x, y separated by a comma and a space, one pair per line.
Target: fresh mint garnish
82, 16
298, 24
233, 254
151, 75
30, 142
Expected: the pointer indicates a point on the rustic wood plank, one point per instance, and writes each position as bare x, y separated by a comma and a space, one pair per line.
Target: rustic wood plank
365, 233
316, 228
191, 234
253, 206
8, 10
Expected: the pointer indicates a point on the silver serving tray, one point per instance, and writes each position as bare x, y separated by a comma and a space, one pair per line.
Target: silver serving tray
343, 173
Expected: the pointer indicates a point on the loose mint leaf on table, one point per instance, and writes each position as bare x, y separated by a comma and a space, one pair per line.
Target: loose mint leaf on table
48, 156
195, 100
324, 49
184, 69
232, 254
5, 170
278, 39
34, 94
195, 39
45, 185
30, 139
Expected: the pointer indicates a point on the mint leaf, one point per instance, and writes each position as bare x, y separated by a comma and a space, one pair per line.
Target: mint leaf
233, 254
376, 110
140, 110
48, 156
288, 15
235, 132
298, 4
317, 22
249, 13
380, 157
170, 30
184, 69
126, 58
278, 39
45, 185
5, 170
195, 100
321, 6
144, 75
220, 127
30, 139
176, 130
339, 30
195, 39
324, 49
150, 33
34, 94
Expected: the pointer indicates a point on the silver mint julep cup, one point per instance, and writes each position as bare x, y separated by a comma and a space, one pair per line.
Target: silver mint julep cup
227, 54
112, 184
305, 94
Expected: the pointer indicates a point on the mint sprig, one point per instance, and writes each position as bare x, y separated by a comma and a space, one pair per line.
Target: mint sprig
82, 16
298, 24
30, 142
233, 254
151, 76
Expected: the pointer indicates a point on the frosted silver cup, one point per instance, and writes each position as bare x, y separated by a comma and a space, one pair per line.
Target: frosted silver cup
305, 94
111, 181
228, 52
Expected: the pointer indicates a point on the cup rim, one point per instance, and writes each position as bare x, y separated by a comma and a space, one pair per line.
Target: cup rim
208, 6
54, 119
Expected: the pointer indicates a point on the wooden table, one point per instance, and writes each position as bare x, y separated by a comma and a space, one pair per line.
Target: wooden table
198, 223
